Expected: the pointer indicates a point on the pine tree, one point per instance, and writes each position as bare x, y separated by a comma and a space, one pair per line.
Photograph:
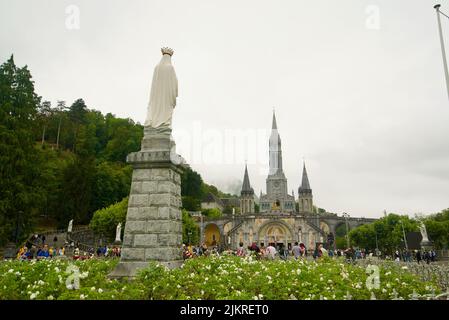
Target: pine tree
20, 192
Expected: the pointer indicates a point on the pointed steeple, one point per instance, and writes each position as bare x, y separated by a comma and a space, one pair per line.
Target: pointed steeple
305, 185
274, 125
246, 187
275, 149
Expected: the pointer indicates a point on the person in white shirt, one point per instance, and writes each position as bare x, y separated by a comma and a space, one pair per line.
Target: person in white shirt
271, 252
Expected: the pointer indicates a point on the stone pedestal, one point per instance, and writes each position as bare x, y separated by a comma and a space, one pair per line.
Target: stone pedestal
426, 245
153, 229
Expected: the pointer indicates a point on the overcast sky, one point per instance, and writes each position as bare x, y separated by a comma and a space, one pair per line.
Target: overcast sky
358, 87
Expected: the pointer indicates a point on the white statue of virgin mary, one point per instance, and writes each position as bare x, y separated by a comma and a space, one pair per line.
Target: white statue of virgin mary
164, 91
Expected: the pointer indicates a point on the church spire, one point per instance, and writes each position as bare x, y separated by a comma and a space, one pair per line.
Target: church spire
305, 185
274, 124
246, 187
275, 152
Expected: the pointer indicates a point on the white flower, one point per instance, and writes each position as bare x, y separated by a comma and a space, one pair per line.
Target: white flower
17, 273
178, 286
50, 297
268, 277
405, 267
100, 290
10, 270
255, 298
93, 289
33, 296
298, 271
57, 269
202, 292
82, 296
192, 275
40, 282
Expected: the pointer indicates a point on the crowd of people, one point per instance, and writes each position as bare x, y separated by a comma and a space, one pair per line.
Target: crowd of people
36, 248
299, 250
41, 252
425, 256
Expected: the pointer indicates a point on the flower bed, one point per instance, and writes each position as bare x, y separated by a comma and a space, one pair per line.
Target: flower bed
224, 277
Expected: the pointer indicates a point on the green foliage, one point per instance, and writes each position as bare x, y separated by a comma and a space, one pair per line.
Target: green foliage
191, 203
230, 277
212, 213
437, 226
112, 183
105, 221
20, 161
190, 231
191, 184
224, 277
390, 233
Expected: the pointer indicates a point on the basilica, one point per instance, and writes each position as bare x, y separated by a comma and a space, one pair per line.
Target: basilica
281, 219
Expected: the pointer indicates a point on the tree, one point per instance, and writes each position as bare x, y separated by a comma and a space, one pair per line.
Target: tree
389, 230
105, 221
212, 213
20, 188
437, 226
191, 184
111, 184
44, 116
364, 236
190, 231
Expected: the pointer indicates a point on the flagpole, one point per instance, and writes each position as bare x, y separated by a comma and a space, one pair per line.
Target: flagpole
443, 50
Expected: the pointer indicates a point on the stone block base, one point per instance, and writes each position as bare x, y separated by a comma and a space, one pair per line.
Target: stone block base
129, 269
153, 228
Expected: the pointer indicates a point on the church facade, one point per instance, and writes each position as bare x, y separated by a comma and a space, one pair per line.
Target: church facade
281, 219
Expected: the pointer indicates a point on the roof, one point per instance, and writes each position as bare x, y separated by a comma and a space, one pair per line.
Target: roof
231, 202
246, 186
210, 197
305, 185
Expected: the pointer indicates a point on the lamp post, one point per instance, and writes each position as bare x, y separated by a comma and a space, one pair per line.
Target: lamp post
403, 233
443, 50
346, 216
201, 228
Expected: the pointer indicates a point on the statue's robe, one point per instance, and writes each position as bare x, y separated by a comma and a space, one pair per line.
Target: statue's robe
164, 91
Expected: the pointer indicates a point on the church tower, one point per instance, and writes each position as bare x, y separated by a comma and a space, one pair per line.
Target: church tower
277, 199
305, 197
276, 181
246, 195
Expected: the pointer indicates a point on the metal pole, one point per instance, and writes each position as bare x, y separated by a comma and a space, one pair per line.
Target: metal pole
201, 229
443, 50
403, 232
347, 228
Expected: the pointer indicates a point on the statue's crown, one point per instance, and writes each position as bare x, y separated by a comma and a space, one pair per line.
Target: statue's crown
166, 50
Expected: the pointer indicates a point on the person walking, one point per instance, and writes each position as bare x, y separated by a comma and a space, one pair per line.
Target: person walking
418, 256
296, 250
